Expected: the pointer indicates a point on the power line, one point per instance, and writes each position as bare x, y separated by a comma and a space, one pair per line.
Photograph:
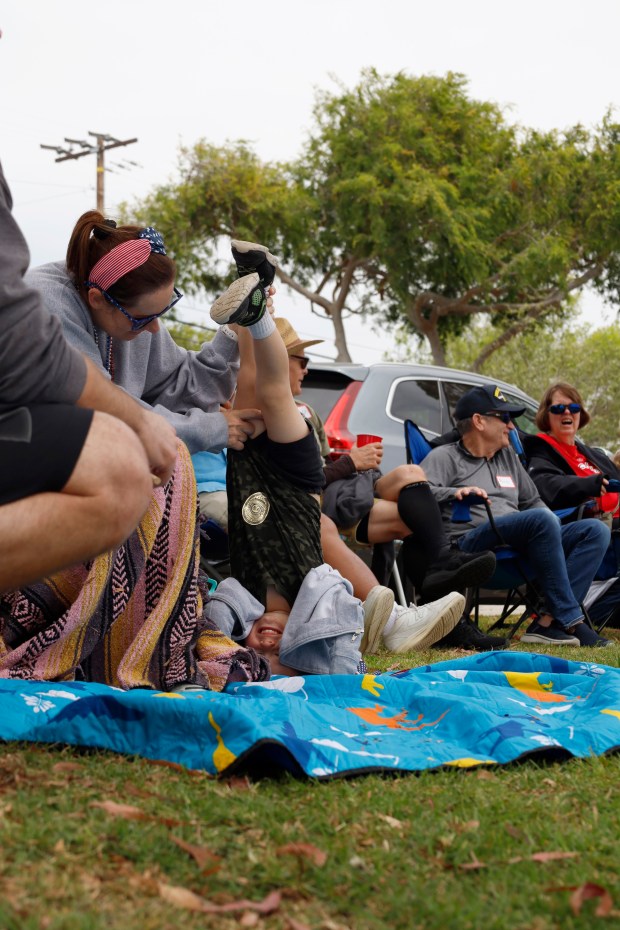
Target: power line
103, 143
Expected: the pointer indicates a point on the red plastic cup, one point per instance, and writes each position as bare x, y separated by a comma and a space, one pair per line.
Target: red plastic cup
364, 438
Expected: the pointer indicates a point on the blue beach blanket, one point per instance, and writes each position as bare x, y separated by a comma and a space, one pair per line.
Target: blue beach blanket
490, 708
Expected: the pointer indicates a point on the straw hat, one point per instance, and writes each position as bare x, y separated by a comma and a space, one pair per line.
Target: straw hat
294, 345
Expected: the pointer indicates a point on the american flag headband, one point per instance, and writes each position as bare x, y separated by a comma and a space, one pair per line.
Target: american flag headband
125, 257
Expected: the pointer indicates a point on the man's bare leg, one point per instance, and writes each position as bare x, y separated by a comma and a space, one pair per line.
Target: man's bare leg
101, 504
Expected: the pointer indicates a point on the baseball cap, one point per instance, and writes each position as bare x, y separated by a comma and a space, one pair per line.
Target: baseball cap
484, 399
294, 345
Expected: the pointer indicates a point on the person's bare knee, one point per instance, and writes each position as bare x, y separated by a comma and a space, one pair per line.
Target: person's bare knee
389, 486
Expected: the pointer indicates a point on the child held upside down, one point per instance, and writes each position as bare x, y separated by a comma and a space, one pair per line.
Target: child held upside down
282, 600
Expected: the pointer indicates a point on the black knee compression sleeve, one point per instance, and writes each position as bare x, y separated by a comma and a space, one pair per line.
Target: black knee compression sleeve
418, 510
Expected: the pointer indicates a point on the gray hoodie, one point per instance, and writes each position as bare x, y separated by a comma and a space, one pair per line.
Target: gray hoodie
324, 628
185, 387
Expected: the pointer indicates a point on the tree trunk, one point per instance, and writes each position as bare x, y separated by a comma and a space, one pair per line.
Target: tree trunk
340, 339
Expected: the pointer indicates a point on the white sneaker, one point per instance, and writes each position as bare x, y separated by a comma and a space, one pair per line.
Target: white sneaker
419, 627
377, 611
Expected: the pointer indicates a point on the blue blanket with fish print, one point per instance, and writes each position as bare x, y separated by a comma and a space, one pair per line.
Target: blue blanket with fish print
490, 708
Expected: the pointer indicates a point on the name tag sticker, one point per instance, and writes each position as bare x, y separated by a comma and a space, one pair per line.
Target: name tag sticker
304, 411
505, 481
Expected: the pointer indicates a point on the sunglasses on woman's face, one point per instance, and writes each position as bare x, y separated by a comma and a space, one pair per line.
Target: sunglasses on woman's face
561, 408
302, 360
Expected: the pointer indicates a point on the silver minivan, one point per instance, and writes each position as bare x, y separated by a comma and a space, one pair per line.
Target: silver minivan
353, 399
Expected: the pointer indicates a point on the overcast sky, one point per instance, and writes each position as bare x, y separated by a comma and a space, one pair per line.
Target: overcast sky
174, 72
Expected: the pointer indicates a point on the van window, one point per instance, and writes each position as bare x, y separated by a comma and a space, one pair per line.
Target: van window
527, 420
418, 401
454, 390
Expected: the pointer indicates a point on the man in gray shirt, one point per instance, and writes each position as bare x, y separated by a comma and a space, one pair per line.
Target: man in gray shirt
73, 482
565, 558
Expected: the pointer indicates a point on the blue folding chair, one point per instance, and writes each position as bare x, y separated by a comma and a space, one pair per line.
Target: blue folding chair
512, 573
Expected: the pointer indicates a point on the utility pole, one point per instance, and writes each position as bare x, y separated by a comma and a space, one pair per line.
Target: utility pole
103, 142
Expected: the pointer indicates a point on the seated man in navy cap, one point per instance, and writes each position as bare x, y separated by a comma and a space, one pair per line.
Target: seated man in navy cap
483, 462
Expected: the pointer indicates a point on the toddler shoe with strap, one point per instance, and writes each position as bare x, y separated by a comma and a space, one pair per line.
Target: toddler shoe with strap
250, 256
243, 303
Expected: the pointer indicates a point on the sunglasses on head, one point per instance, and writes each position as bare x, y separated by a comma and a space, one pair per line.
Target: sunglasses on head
504, 416
561, 408
301, 358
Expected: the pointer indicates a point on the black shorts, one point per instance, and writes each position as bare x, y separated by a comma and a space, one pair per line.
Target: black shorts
39, 447
300, 461
274, 518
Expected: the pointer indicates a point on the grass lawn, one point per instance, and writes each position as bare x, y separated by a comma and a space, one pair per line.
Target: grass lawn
95, 841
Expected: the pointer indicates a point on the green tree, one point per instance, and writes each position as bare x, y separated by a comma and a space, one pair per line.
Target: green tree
451, 213
414, 203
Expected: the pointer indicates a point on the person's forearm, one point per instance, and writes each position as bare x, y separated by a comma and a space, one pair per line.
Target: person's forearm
100, 394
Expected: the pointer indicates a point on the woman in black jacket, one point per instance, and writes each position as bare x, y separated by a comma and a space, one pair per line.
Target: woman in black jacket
568, 473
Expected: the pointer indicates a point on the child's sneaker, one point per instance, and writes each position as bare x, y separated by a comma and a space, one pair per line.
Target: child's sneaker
377, 611
244, 302
419, 627
250, 256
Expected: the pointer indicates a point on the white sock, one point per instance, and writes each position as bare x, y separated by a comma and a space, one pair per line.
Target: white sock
263, 327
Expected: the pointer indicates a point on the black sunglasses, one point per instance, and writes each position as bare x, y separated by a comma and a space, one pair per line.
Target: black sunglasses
499, 415
560, 408
301, 358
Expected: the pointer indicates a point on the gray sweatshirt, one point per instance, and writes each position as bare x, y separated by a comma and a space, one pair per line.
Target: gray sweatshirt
185, 387
503, 477
324, 628
37, 365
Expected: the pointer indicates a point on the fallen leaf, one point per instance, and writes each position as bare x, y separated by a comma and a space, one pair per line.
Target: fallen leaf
552, 856
590, 890
203, 856
183, 897
239, 782
178, 768
391, 821
293, 924
126, 811
304, 851
474, 864
60, 847
129, 812
543, 857
66, 767
484, 775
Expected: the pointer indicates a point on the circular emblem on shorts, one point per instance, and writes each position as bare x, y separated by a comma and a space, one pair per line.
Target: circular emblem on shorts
255, 509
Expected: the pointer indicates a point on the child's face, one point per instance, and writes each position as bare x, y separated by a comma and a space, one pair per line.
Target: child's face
265, 637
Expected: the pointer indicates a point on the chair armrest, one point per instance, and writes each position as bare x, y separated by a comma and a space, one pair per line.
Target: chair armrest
461, 509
